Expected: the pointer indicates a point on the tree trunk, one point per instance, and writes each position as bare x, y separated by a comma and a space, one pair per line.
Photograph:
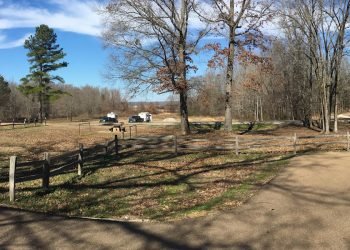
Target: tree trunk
185, 125
228, 88
325, 111
41, 107
257, 109
335, 129
229, 74
261, 111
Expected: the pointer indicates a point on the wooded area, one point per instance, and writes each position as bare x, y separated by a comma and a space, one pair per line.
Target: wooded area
87, 101
301, 72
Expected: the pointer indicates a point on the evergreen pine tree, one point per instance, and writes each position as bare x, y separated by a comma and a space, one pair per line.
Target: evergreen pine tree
44, 56
4, 91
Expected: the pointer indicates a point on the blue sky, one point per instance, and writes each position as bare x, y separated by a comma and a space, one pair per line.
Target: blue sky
78, 29
77, 32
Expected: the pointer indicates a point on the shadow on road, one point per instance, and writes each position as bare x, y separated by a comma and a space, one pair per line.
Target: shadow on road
305, 207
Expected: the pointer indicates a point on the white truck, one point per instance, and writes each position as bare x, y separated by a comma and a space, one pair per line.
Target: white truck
147, 117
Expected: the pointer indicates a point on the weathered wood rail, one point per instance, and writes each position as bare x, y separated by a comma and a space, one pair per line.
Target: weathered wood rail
13, 125
54, 165
81, 124
51, 165
240, 144
123, 131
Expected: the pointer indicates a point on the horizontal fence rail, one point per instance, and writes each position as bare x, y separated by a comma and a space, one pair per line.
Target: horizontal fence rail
54, 164
21, 125
81, 124
240, 144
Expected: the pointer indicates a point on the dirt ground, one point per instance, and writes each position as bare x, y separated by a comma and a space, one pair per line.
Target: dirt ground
305, 207
62, 136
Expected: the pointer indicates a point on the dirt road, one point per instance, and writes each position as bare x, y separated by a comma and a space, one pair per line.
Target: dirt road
306, 207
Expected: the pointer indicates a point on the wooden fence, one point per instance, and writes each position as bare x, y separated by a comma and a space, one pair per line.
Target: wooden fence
54, 165
74, 161
242, 144
23, 125
123, 131
84, 124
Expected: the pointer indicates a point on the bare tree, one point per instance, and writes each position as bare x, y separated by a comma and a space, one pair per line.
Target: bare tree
153, 46
240, 21
323, 25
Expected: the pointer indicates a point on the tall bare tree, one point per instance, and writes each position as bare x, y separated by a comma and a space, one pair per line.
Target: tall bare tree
152, 46
240, 21
323, 25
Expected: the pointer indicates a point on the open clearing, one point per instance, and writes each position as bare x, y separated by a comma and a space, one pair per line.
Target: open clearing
305, 207
142, 185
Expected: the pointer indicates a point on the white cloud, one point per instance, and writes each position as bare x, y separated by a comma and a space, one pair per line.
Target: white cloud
5, 44
78, 16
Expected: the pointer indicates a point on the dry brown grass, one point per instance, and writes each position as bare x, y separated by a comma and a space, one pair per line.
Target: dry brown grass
62, 136
141, 184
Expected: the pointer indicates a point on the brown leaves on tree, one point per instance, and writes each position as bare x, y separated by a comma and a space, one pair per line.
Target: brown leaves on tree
220, 55
263, 66
245, 47
172, 76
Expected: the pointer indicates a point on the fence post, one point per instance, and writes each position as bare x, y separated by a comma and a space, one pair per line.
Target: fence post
13, 123
90, 126
135, 130
80, 158
46, 171
130, 131
348, 137
79, 128
123, 134
116, 146
237, 146
175, 145
295, 143
12, 181
106, 148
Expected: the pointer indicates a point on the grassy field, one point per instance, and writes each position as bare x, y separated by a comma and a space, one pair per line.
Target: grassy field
141, 185
148, 185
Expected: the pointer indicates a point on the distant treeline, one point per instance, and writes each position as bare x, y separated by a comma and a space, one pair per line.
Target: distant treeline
77, 102
85, 101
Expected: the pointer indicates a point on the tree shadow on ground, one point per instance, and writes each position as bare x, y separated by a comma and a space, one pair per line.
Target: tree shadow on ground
145, 181
259, 224
256, 225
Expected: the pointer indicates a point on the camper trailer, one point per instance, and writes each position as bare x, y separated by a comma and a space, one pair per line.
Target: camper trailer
112, 115
147, 117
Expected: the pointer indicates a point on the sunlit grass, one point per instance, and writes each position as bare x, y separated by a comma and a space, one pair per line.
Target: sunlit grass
150, 185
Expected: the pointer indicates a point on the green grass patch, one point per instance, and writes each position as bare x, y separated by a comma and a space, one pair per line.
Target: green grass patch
150, 185
255, 127
239, 193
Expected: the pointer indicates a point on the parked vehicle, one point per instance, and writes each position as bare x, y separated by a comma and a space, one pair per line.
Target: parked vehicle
135, 118
107, 120
147, 117
112, 115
